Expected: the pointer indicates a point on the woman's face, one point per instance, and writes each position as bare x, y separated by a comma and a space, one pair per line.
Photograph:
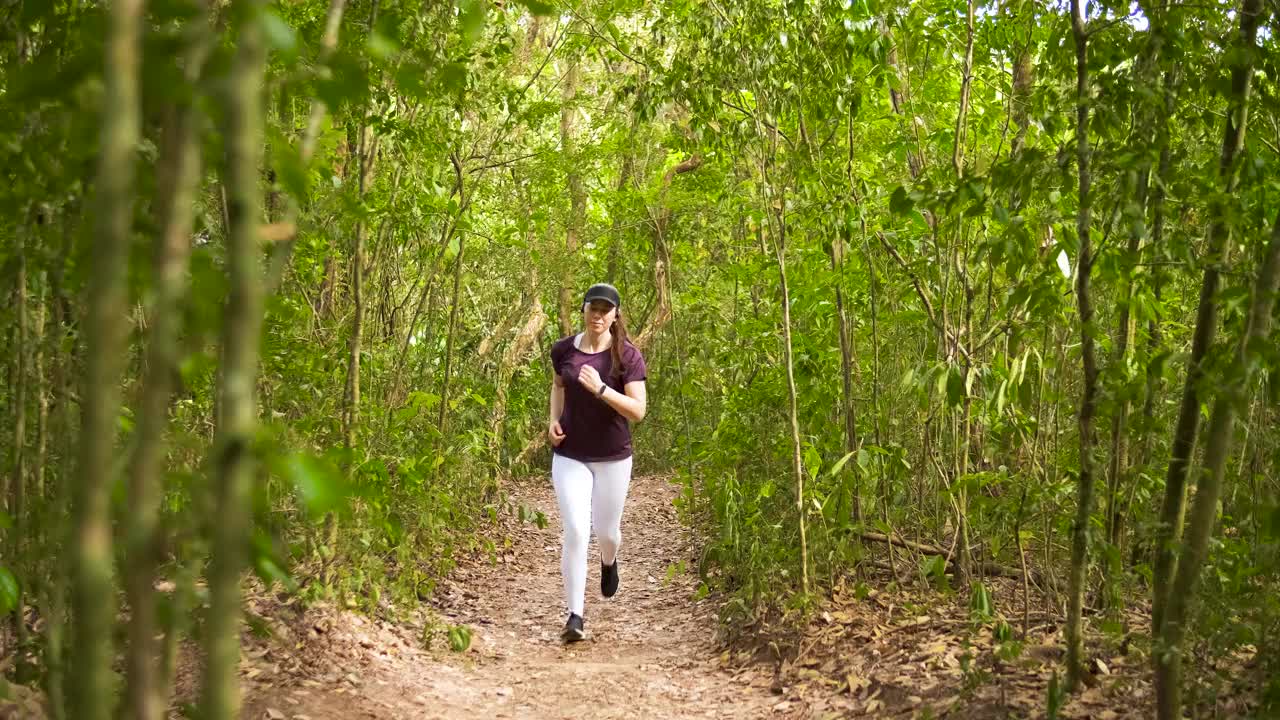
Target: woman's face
598, 316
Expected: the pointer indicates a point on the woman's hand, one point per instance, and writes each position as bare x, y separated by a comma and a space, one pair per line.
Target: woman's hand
590, 379
555, 433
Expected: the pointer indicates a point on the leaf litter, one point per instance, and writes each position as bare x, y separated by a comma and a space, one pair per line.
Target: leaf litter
873, 649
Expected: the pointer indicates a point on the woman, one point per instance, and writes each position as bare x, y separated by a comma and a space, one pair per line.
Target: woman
597, 391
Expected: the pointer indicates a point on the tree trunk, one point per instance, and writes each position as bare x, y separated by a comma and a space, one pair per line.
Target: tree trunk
577, 201
282, 250
457, 296
966, 79
453, 331
615, 262
92, 587
847, 412
178, 178
1169, 530
18, 488
1088, 404
351, 398
1175, 574
1157, 200
233, 464
1023, 80
780, 255
839, 248
1232, 393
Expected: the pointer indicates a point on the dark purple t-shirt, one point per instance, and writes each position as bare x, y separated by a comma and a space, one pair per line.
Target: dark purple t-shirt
593, 431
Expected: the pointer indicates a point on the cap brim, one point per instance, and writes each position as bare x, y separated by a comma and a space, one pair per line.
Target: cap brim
593, 298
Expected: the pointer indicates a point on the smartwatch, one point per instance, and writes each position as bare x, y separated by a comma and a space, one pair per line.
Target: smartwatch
600, 392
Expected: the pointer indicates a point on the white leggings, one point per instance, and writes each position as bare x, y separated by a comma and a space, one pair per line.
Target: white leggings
590, 495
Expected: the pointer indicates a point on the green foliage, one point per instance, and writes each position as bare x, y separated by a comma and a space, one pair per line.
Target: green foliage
8, 591
459, 638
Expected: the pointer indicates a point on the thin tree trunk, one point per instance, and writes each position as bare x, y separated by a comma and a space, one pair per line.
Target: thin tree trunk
233, 462
577, 201
58, 580
780, 255
1126, 328
1020, 100
615, 262
453, 331
351, 398
839, 248
1169, 530
1176, 574
282, 251
1157, 250
1119, 463
42, 407
515, 352
1088, 404
18, 488
1232, 392
179, 175
966, 79
92, 587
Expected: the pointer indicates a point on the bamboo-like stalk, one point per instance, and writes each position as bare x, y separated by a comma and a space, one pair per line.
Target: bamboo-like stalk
577, 199
18, 487
233, 464
1232, 393
179, 175
92, 586
1169, 531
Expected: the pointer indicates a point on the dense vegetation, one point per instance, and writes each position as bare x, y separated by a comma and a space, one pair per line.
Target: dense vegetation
280, 280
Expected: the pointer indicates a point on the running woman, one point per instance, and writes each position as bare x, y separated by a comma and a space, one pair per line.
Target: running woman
597, 392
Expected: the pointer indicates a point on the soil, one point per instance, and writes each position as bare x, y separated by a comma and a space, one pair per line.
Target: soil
651, 650
880, 645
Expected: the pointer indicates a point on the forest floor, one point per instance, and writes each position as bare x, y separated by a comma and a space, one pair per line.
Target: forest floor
652, 650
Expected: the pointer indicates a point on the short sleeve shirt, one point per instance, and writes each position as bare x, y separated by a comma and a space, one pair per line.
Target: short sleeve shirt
594, 431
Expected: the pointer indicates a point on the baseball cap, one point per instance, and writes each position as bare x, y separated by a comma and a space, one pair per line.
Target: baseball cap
602, 291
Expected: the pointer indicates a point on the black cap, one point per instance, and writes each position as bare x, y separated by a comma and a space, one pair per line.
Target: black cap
602, 291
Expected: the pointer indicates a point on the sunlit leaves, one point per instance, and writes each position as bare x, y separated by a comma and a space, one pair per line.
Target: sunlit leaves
279, 35
8, 591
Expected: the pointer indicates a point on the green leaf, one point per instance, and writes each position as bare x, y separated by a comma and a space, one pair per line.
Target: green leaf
8, 591
290, 171
454, 77
321, 488
812, 461
841, 463
381, 46
471, 16
459, 638
279, 35
955, 387
899, 202
538, 7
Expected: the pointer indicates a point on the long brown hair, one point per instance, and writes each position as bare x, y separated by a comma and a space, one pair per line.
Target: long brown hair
619, 331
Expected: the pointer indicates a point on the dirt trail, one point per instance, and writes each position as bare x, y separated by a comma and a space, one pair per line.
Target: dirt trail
649, 654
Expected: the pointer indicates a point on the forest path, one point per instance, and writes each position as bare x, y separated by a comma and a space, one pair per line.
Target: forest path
650, 651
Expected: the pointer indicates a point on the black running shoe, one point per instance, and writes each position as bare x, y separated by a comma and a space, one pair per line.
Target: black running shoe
609, 579
573, 631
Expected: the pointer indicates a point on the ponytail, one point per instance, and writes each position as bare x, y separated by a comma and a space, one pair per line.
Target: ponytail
619, 331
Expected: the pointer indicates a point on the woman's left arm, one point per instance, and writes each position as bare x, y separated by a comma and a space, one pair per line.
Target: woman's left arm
630, 404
